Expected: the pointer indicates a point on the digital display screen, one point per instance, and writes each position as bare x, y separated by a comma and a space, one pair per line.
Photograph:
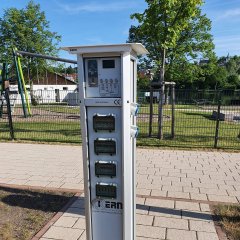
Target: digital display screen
105, 169
106, 190
103, 123
105, 146
108, 63
92, 73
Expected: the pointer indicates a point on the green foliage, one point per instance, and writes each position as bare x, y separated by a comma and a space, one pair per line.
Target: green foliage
174, 25
28, 30
226, 74
180, 29
143, 82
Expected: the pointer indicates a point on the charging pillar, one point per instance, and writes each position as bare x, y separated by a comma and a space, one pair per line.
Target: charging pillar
107, 86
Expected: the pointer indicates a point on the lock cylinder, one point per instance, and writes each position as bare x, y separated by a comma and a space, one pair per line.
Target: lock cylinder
134, 131
134, 109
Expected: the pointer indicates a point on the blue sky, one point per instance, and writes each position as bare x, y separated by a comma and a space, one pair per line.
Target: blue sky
86, 22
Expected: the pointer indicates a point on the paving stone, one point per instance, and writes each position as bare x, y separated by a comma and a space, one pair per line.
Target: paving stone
142, 209
37, 183
150, 232
172, 188
199, 196
159, 203
63, 233
78, 186
197, 215
226, 199
74, 212
165, 212
175, 234
207, 236
221, 192
140, 200
171, 223
83, 236
80, 223
17, 181
178, 195
66, 222
144, 220
187, 205
191, 189
205, 207
54, 185
145, 192
202, 226
143, 238
159, 193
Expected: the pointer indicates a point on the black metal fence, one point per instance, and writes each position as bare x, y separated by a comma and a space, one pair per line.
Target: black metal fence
202, 119
205, 119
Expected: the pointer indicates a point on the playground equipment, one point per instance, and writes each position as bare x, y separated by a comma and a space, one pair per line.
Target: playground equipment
19, 79
107, 85
22, 86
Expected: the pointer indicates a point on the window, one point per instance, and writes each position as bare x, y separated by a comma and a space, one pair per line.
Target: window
108, 64
65, 88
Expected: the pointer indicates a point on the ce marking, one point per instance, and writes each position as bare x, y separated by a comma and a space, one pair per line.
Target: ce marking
117, 102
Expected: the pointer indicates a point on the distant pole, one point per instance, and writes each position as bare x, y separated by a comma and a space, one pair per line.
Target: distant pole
151, 112
161, 98
173, 110
6, 95
216, 138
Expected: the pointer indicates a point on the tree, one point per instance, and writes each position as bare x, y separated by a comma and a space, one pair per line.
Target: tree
28, 30
171, 29
174, 30
218, 79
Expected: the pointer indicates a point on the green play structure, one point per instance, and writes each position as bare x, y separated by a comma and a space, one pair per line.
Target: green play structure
21, 84
19, 80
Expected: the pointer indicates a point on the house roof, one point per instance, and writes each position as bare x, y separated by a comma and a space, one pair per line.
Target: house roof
126, 47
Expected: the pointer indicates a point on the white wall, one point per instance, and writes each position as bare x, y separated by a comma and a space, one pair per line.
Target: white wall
47, 94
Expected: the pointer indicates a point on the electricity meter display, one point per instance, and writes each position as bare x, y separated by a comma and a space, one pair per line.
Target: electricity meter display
106, 190
105, 146
103, 168
104, 122
92, 73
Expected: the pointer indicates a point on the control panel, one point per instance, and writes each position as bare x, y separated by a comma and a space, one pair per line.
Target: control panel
103, 77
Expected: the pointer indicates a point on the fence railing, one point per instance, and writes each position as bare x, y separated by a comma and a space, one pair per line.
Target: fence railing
202, 119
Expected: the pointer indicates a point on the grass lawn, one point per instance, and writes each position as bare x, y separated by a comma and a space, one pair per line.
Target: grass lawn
59, 109
23, 212
229, 218
193, 128
59, 131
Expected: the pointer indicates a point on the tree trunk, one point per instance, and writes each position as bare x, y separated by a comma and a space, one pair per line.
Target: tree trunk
161, 97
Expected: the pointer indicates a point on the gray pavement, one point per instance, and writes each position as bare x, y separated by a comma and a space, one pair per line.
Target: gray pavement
156, 219
174, 187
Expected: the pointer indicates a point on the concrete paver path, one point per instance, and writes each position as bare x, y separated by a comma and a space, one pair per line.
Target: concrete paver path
174, 187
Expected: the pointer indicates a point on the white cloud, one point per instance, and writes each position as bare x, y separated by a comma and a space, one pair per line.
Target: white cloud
228, 14
228, 43
96, 7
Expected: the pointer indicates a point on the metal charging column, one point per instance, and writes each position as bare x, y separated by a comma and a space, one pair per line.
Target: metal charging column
107, 87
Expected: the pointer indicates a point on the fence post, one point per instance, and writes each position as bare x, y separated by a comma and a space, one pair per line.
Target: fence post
151, 112
173, 111
218, 121
6, 95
